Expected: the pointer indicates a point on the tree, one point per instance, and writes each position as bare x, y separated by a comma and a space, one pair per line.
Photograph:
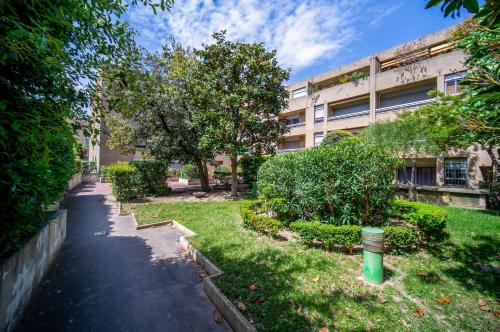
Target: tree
50, 55
475, 119
407, 137
163, 113
335, 136
241, 87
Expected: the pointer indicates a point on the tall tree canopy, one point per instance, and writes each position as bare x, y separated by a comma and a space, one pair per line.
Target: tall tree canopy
242, 88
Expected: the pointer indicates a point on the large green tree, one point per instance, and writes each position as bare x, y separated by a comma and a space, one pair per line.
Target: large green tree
50, 55
242, 89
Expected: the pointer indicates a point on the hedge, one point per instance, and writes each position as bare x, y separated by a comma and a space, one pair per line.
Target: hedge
123, 181
190, 172
222, 173
347, 183
250, 167
429, 218
397, 239
257, 222
151, 177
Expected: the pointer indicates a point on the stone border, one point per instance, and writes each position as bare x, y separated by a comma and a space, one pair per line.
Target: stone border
233, 316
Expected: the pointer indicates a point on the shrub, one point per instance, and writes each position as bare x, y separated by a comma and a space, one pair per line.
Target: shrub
397, 239
257, 222
88, 167
124, 181
335, 136
77, 165
222, 173
429, 218
189, 171
151, 177
350, 182
102, 171
250, 166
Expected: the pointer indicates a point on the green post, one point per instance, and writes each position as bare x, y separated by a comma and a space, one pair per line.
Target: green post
373, 259
254, 189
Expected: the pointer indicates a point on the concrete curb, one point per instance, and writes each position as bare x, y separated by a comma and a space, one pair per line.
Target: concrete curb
236, 320
162, 223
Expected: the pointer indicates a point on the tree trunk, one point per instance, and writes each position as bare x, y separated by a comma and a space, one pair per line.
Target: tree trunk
234, 177
411, 187
203, 172
494, 163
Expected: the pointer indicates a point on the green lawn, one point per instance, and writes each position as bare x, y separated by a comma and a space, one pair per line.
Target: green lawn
306, 289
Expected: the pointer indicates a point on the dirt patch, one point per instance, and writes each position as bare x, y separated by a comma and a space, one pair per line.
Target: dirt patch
184, 197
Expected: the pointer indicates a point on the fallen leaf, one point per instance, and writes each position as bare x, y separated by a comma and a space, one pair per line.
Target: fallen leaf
242, 306
323, 329
259, 299
484, 308
382, 300
300, 310
497, 314
218, 317
481, 303
316, 279
252, 287
419, 312
444, 299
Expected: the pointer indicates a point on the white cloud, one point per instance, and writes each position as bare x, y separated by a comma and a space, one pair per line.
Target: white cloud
301, 32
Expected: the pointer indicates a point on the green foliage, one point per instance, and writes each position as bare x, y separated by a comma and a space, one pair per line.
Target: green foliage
250, 167
123, 179
350, 182
151, 177
242, 92
189, 171
257, 222
335, 136
88, 167
353, 77
77, 165
222, 173
397, 239
429, 218
103, 171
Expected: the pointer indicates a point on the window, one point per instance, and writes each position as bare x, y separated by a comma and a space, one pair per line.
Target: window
319, 113
291, 144
426, 176
406, 96
318, 138
452, 83
301, 92
356, 108
293, 121
86, 142
455, 171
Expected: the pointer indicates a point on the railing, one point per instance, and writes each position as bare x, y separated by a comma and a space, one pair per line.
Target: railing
336, 117
295, 125
288, 150
407, 105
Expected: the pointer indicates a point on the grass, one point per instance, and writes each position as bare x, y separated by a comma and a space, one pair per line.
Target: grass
306, 288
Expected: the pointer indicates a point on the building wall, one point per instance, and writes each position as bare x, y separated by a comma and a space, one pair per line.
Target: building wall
425, 61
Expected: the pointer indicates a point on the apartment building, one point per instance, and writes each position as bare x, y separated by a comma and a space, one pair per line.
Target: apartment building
377, 88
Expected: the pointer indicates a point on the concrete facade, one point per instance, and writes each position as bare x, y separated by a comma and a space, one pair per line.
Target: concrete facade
388, 83
22, 272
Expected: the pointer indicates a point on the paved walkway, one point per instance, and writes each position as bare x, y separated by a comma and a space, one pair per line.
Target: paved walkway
111, 277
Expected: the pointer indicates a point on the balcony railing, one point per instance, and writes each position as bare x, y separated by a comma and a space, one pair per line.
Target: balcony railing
407, 105
350, 115
295, 125
280, 151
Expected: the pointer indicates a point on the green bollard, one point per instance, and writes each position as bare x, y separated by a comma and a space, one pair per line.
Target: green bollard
254, 189
373, 254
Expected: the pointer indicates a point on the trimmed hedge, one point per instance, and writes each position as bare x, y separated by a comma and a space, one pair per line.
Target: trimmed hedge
151, 177
222, 173
429, 218
397, 239
123, 181
190, 172
256, 222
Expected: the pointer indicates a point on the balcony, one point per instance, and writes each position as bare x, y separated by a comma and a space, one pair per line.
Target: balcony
405, 106
280, 151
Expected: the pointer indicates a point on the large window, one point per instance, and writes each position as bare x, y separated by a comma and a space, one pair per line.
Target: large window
425, 176
319, 113
301, 92
452, 83
293, 121
455, 171
318, 138
406, 96
351, 109
291, 143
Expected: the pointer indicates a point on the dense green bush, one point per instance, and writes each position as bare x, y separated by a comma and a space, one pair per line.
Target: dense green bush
222, 173
257, 222
124, 181
88, 166
335, 136
350, 182
250, 167
397, 239
102, 171
77, 165
190, 172
151, 177
429, 218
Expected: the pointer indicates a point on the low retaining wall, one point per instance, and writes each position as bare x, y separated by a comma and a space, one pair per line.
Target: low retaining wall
22, 271
461, 197
74, 181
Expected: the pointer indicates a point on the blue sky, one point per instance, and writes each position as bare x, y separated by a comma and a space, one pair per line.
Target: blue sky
310, 36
